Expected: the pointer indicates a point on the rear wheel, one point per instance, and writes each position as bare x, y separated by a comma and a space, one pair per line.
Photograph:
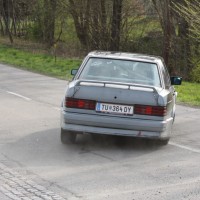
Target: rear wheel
174, 117
164, 142
67, 137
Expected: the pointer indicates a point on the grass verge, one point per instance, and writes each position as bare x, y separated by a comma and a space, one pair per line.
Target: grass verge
37, 62
188, 93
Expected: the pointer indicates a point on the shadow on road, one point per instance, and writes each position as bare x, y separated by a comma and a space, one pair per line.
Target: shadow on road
116, 142
45, 148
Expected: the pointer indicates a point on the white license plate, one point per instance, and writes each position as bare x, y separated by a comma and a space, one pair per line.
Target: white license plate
114, 108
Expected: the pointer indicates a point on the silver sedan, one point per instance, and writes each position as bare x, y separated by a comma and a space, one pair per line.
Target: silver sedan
122, 94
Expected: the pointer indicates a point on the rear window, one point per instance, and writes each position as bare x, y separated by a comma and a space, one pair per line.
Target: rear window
125, 71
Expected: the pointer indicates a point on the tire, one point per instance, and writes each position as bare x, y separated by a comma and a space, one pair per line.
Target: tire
67, 137
174, 118
164, 142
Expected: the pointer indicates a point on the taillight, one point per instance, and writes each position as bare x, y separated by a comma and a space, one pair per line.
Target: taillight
80, 103
150, 110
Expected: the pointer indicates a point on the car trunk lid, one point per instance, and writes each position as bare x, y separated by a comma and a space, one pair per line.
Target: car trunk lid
117, 93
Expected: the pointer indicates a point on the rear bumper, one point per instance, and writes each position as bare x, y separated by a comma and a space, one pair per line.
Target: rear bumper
85, 123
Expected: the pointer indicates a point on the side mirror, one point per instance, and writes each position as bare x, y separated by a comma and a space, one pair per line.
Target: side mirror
176, 80
74, 71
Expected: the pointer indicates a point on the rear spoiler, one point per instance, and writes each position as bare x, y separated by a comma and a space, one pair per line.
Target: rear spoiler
115, 85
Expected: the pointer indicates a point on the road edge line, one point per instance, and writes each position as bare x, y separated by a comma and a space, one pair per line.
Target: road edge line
185, 147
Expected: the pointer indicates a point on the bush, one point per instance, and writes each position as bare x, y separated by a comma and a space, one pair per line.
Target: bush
195, 74
34, 32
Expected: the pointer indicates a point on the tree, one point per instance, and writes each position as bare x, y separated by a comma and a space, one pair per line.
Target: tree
14, 17
49, 21
164, 10
80, 12
6, 14
189, 10
116, 25
176, 42
97, 23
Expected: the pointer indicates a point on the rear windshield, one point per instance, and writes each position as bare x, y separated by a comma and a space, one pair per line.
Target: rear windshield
125, 71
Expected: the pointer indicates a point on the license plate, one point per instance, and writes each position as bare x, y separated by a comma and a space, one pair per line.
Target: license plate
114, 108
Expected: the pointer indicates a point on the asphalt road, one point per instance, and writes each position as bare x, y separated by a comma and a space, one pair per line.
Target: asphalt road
35, 165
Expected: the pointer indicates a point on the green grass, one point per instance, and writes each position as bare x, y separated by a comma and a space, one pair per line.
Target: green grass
189, 93
40, 63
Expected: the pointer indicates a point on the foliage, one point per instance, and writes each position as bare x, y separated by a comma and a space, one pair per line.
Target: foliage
190, 11
158, 27
195, 73
33, 32
41, 63
97, 23
188, 93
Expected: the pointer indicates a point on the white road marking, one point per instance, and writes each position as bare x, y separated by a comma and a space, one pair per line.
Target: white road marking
28, 99
18, 95
185, 147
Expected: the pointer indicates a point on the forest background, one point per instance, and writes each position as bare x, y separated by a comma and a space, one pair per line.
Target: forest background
62, 32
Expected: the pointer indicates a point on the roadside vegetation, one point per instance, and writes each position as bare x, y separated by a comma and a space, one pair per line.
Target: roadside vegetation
38, 62
52, 36
188, 93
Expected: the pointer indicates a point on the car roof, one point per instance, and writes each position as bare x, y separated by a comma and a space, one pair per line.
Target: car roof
125, 55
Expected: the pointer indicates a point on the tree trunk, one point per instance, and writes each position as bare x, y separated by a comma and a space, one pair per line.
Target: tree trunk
81, 22
49, 21
5, 13
14, 18
2, 29
164, 10
104, 31
167, 32
116, 25
185, 46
